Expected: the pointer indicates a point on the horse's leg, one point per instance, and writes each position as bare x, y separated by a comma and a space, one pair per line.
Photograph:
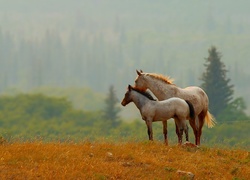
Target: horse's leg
177, 130
182, 126
186, 132
150, 130
165, 131
201, 117
195, 128
180, 135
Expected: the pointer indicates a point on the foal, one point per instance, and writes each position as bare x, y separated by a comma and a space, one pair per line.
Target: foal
152, 110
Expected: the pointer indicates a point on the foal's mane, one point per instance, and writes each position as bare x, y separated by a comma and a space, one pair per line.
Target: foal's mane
144, 93
160, 77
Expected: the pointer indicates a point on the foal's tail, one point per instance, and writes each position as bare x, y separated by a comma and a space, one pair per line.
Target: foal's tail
191, 110
210, 120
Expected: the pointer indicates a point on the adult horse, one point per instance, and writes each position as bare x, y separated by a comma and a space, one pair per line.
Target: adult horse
163, 88
152, 110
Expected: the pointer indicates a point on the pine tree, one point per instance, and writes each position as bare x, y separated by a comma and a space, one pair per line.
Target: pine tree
215, 83
111, 110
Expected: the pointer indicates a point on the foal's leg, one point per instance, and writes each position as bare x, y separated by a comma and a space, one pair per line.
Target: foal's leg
150, 130
178, 130
181, 126
179, 133
186, 132
165, 131
181, 129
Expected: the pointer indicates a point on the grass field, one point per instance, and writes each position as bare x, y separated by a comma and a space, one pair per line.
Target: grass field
124, 160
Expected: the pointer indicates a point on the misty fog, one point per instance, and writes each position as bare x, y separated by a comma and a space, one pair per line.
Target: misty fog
96, 44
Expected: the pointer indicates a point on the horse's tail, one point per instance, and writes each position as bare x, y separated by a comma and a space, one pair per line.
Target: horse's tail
191, 110
210, 120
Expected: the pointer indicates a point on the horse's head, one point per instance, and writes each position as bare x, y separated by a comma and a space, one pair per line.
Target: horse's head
140, 81
127, 98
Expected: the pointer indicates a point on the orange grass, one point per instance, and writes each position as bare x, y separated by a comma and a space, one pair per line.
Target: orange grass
125, 160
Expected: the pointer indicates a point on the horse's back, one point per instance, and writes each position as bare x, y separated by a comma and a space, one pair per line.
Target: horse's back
195, 90
178, 105
175, 100
196, 96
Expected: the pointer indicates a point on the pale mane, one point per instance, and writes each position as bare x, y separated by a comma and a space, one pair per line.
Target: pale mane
165, 79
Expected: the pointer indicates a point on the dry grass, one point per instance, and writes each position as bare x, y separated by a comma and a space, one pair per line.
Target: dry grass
125, 160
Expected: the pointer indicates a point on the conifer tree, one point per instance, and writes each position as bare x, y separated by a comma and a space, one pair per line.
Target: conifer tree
215, 83
111, 110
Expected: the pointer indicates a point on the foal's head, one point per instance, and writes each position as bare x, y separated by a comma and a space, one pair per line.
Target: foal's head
128, 98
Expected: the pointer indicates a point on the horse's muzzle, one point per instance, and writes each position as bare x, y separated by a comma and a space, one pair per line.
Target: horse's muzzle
123, 103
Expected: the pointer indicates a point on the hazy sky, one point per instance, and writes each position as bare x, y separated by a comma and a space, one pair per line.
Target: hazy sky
166, 36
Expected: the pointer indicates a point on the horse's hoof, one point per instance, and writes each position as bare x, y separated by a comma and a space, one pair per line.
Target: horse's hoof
189, 144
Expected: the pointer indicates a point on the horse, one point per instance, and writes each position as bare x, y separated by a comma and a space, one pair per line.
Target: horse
163, 88
152, 110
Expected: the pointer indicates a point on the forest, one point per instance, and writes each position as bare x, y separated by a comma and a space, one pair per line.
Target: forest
32, 117
57, 63
96, 44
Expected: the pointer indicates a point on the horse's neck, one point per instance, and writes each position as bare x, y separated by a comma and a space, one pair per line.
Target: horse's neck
162, 90
139, 100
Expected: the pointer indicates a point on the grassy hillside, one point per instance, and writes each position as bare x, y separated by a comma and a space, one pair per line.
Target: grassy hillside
124, 160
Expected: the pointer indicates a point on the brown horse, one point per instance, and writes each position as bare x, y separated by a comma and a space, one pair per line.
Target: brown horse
163, 88
152, 110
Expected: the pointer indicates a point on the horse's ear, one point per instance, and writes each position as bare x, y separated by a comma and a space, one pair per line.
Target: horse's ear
141, 71
129, 87
138, 72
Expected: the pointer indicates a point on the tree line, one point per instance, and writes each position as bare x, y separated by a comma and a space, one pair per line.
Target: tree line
37, 116
29, 117
55, 60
